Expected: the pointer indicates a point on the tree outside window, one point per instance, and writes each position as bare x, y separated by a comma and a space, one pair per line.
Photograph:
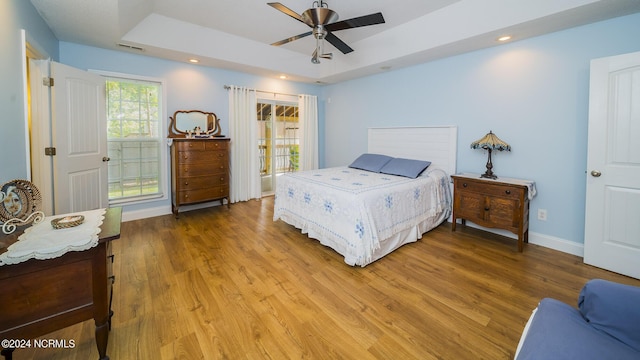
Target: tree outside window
134, 138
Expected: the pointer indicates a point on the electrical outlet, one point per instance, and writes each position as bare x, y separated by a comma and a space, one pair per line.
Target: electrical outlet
542, 214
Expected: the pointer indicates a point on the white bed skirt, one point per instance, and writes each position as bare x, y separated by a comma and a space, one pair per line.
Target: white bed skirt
386, 246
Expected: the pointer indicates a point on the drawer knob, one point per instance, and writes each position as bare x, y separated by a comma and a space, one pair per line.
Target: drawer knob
508, 192
486, 209
186, 183
464, 184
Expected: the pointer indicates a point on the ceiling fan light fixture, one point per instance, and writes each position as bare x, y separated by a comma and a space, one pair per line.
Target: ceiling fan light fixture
319, 16
319, 32
323, 22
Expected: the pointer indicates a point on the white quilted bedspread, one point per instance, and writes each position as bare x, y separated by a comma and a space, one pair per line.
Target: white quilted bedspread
357, 208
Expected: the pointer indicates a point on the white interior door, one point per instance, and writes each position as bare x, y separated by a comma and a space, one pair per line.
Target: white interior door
612, 219
40, 133
79, 136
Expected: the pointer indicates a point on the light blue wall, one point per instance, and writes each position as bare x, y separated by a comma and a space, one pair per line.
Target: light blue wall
533, 94
16, 15
187, 86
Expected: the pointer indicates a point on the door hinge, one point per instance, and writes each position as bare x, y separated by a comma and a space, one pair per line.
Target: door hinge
47, 81
50, 151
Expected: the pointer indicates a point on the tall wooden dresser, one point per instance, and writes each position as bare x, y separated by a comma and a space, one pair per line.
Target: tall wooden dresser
199, 171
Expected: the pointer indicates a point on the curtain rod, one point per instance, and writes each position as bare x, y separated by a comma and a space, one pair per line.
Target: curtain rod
227, 87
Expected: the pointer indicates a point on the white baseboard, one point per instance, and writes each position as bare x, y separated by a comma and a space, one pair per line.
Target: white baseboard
146, 213
552, 242
130, 215
548, 241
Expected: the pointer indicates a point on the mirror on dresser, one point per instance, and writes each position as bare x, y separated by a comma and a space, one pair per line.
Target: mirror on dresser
194, 123
199, 159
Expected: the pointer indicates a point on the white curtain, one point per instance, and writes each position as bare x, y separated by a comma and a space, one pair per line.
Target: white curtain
243, 131
308, 113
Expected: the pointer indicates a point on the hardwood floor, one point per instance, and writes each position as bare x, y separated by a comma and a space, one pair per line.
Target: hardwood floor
232, 284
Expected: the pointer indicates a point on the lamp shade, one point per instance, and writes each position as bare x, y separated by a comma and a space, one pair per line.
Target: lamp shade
491, 142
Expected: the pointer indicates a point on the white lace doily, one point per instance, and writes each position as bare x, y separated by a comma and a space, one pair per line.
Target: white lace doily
42, 241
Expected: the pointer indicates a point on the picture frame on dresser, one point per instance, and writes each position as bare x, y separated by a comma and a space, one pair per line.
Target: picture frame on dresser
199, 159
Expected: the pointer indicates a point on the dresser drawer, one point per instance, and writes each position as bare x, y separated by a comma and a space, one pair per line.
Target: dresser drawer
489, 189
189, 157
199, 169
200, 195
203, 182
200, 145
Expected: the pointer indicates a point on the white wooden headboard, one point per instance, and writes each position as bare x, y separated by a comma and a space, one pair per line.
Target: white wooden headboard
438, 144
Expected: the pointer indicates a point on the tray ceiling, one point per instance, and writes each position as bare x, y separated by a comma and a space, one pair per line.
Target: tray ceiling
236, 34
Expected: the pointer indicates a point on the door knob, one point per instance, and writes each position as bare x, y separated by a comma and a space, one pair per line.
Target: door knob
106, 158
595, 173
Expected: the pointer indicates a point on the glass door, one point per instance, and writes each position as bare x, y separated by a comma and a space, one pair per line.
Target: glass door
278, 142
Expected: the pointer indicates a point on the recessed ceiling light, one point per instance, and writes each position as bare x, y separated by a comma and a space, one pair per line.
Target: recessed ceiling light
504, 38
195, 61
283, 77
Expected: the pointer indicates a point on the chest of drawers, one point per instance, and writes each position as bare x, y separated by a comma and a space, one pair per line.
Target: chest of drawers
41, 296
199, 171
492, 203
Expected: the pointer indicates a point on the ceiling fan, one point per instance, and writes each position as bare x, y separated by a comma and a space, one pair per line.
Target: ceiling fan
323, 22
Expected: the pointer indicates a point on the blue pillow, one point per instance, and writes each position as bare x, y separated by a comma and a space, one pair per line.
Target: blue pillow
558, 331
370, 162
613, 309
405, 167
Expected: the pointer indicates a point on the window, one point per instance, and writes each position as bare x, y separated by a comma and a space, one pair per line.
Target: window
278, 141
134, 113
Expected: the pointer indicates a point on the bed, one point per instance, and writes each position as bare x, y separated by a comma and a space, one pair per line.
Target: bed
365, 215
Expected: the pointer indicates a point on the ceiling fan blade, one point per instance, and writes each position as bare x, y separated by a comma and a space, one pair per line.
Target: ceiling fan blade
366, 20
286, 10
339, 44
287, 40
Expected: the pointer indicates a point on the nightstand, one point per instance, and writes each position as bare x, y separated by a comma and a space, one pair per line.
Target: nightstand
502, 203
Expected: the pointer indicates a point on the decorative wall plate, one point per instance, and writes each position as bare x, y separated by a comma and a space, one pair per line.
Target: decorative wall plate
18, 200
